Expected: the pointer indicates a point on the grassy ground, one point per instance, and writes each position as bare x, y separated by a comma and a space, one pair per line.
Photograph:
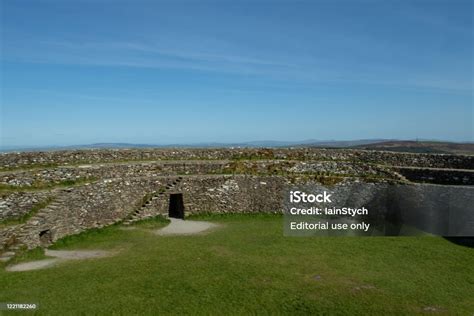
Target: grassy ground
248, 266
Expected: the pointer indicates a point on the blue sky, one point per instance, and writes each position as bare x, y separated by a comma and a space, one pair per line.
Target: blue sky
77, 72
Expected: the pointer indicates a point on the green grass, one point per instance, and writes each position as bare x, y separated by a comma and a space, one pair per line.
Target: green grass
25, 217
30, 255
152, 223
247, 266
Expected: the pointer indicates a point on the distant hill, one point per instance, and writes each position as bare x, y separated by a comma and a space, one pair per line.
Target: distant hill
250, 144
421, 147
369, 144
343, 143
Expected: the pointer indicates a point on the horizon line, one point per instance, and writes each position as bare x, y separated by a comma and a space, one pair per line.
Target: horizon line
252, 143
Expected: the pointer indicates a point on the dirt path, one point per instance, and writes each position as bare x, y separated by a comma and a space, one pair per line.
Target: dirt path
182, 227
77, 254
59, 256
176, 227
32, 265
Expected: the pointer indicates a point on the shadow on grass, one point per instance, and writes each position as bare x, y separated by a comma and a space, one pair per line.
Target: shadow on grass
462, 241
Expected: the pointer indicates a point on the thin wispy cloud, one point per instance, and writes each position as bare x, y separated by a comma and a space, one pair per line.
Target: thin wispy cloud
127, 54
137, 55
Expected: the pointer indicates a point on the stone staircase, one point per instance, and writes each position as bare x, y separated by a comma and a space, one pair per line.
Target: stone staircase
401, 177
31, 228
48, 214
10, 251
149, 206
28, 232
4, 257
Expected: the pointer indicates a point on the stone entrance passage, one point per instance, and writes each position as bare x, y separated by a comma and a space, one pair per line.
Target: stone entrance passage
46, 237
176, 209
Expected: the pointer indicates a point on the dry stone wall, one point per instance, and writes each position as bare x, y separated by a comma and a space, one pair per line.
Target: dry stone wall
77, 209
17, 204
54, 158
450, 176
95, 188
110, 201
43, 176
226, 194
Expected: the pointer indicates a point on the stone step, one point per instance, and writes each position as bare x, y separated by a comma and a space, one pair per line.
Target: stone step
5, 259
7, 254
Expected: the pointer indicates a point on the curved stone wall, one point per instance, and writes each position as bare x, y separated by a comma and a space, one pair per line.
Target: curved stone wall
95, 188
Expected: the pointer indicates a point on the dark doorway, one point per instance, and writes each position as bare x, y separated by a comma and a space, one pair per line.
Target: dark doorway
46, 237
176, 209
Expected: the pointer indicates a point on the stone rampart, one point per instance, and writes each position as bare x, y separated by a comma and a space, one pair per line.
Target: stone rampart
95, 188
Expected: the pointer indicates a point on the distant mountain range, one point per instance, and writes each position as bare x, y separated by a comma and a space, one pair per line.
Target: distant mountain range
423, 146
